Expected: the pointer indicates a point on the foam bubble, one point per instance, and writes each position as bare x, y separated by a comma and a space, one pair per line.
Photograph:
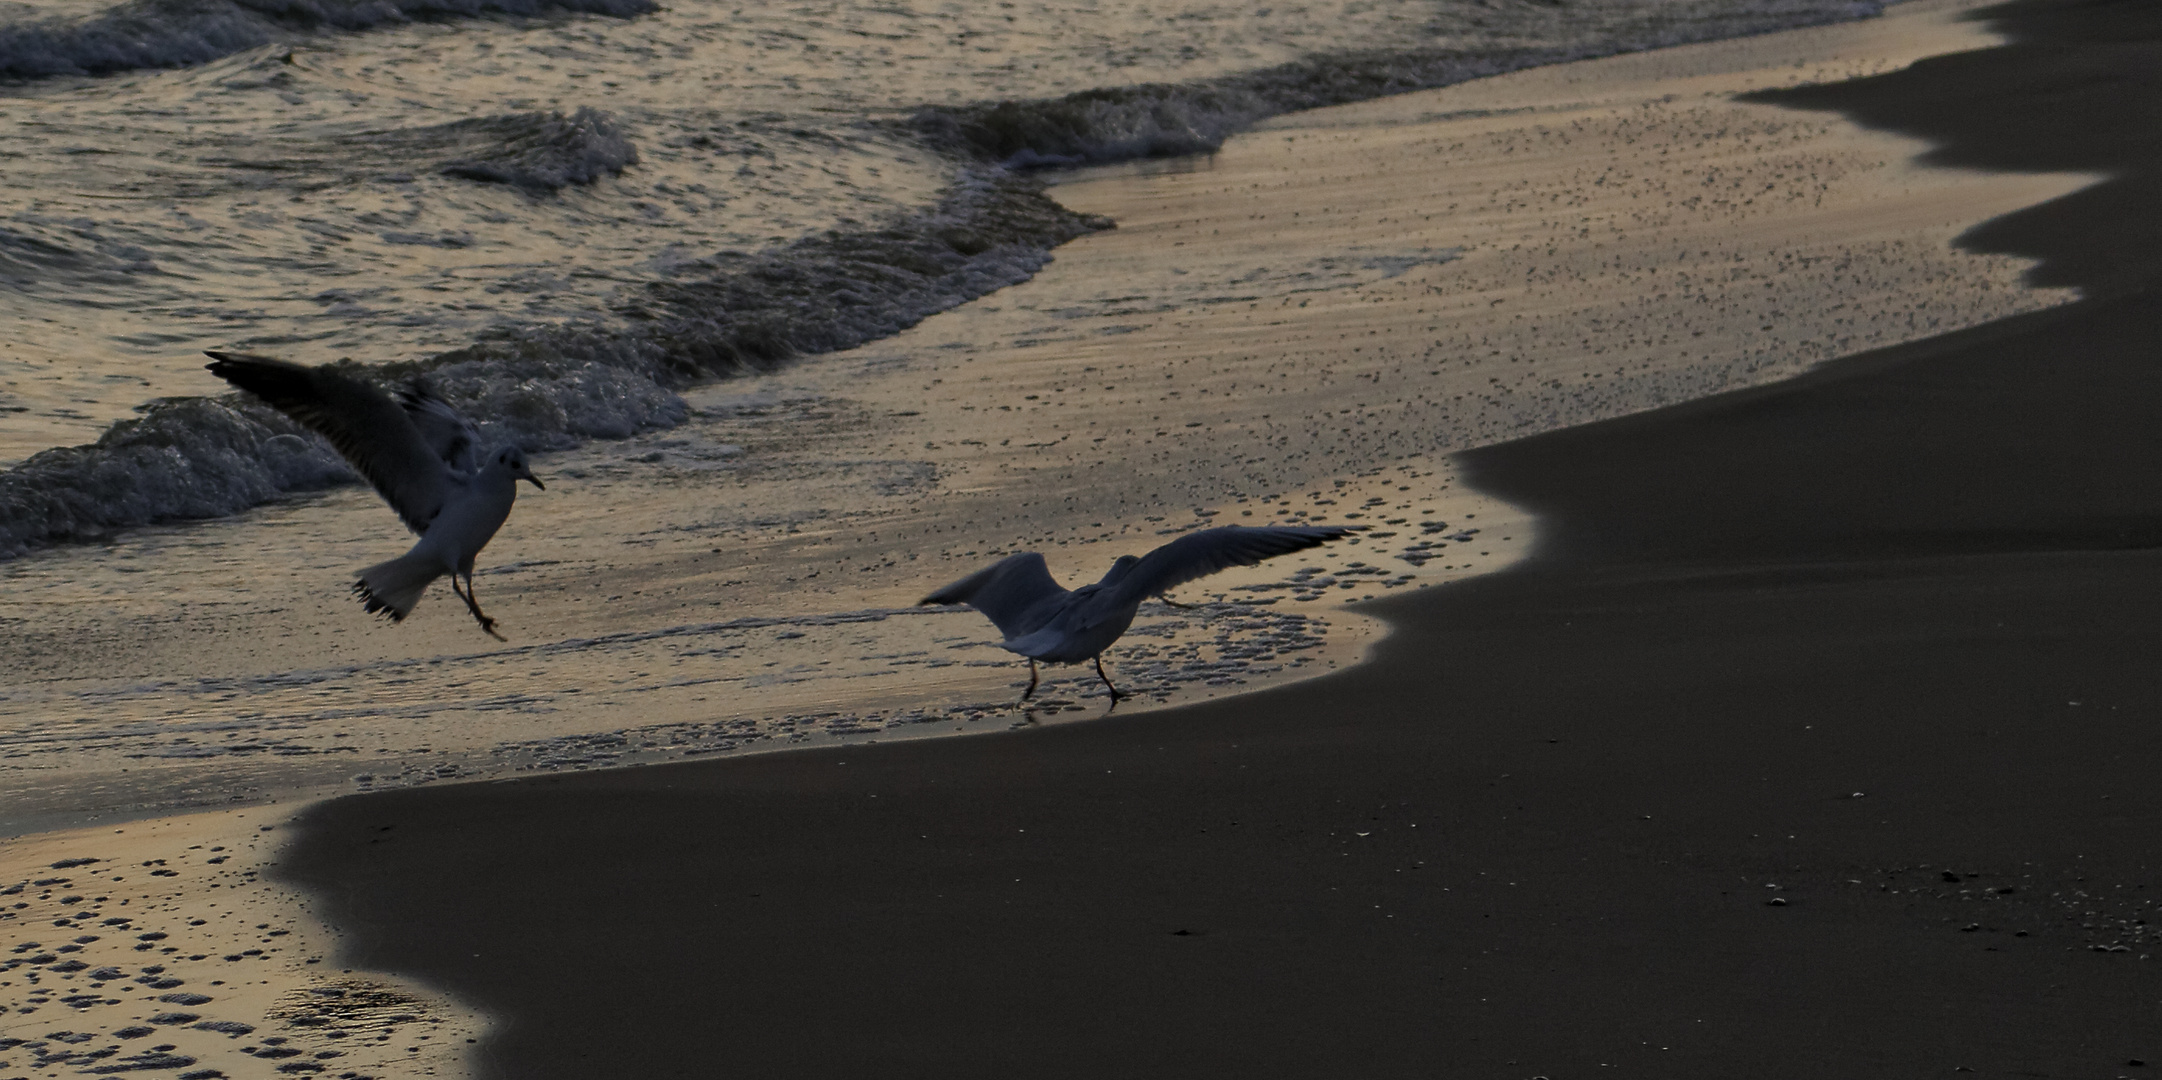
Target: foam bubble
183, 458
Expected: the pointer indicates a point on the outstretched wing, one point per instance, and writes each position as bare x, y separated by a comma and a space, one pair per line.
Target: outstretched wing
448, 435
1006, 591
1199, 554
368, 429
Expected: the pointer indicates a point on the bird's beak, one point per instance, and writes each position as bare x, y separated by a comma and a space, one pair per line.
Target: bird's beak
528, 475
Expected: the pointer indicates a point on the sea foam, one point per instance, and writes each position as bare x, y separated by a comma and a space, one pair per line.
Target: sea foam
556, 386
553, 386
1164, 119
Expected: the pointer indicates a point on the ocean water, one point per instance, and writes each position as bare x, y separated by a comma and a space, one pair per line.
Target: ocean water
567, 214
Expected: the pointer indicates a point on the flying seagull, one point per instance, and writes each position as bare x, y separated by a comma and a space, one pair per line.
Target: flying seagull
423, 458
1044, 622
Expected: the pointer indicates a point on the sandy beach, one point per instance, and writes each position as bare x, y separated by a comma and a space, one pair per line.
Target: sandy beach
1767, 697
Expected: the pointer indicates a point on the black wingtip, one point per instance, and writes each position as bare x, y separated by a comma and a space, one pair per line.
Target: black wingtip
237, 368
416, 391
374, 604
948, 596
227, 356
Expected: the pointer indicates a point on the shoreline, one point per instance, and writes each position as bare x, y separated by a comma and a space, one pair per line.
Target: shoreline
1715, 792
1195, 365
895, 673
1003, 751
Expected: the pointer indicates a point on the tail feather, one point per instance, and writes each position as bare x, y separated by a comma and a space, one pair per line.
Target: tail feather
392, 588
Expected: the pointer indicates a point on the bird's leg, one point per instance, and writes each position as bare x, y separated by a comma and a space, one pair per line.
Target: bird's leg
1166, 600
1115, 694
472, 605
1031, 679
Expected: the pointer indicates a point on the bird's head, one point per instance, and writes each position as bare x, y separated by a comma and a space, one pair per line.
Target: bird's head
512, 460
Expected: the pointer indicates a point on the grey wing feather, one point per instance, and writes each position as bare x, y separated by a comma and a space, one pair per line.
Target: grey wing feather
449, 435
368, 429
1005, 591
1199, 554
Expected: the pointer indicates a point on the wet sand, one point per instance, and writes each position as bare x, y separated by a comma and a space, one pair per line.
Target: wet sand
159, 947
1814, 739
1559, 800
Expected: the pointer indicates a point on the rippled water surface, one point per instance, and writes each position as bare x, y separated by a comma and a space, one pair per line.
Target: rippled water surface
691, 253
394, 181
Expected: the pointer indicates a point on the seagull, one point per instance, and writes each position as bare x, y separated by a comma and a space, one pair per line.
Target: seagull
1044, 622
423, 458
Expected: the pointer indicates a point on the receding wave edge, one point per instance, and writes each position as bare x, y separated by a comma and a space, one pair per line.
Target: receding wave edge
551, 387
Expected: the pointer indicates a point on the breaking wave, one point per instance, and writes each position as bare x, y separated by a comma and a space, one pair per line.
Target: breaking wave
176, 33
553, 387
540, 151
1162, 119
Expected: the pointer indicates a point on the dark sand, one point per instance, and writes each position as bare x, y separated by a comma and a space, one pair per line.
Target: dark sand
1820, 740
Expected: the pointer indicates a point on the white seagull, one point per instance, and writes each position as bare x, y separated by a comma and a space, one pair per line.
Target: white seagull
423, 459
1044, 622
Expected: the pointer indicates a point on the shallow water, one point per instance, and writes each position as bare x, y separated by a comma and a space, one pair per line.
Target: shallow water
1298, 328
570, 215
